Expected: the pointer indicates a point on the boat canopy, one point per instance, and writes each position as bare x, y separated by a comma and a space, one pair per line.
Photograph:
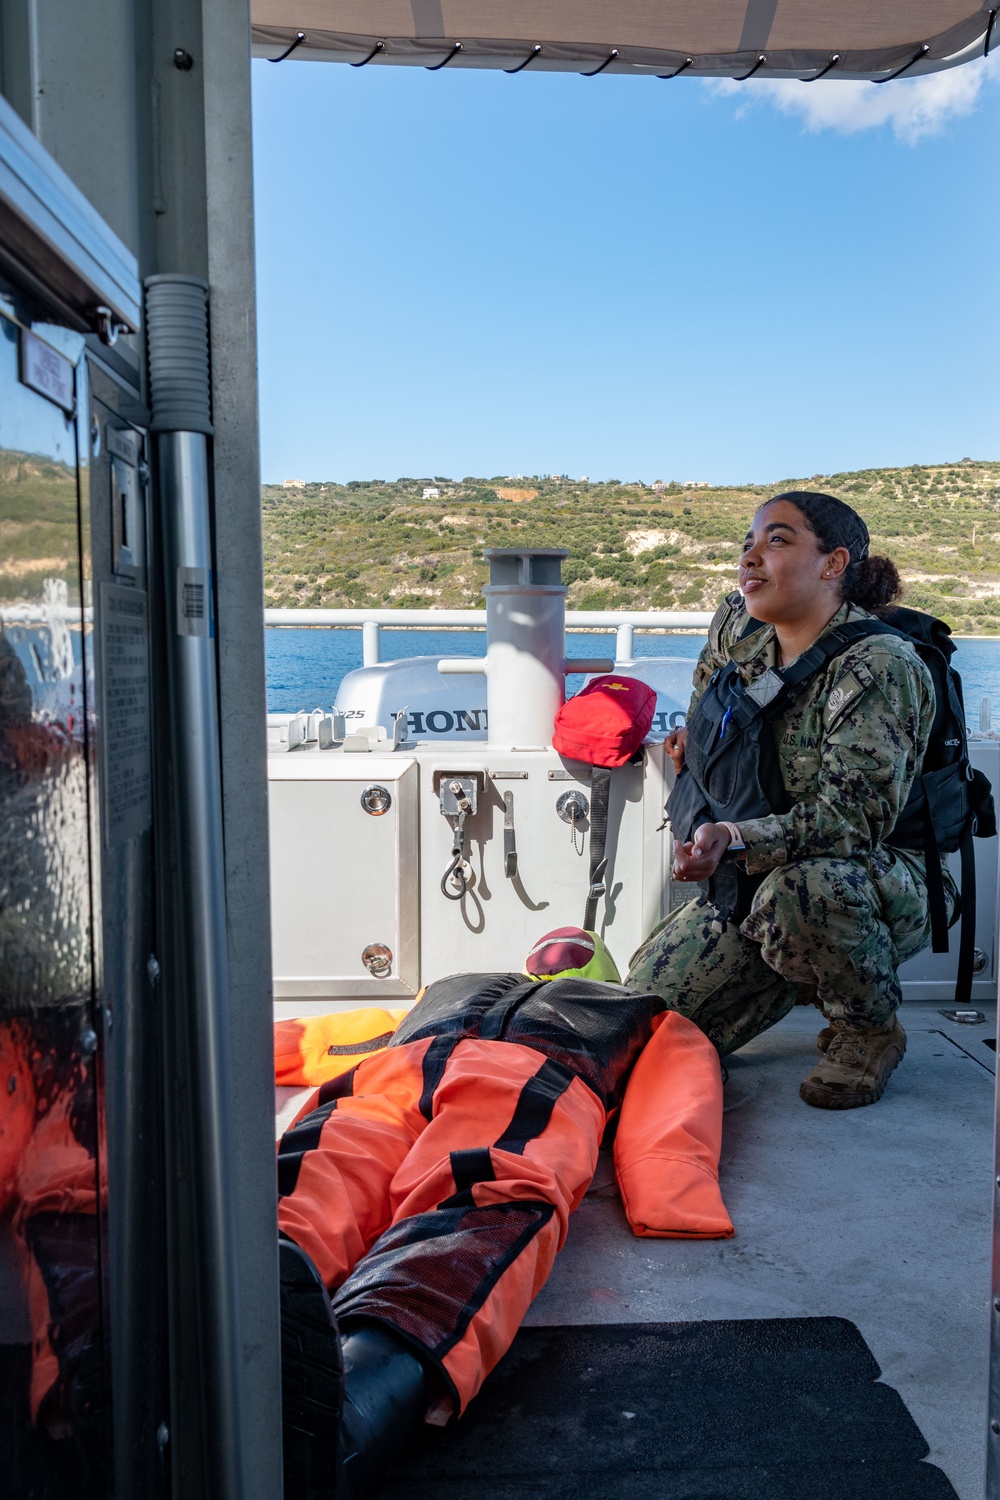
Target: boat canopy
808, 39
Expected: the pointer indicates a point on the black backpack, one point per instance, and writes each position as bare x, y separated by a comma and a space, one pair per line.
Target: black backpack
950, 803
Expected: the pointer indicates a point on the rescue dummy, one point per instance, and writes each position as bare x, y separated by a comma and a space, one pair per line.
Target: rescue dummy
425, 1191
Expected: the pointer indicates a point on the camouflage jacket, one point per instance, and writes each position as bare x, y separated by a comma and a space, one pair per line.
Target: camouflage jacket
849, 747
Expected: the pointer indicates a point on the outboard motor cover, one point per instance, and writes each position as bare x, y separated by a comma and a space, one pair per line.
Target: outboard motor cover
449, 708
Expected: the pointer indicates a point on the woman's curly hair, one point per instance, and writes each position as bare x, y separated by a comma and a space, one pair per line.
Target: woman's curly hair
870, 582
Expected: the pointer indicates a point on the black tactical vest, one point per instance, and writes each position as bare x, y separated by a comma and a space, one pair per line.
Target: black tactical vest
732, 771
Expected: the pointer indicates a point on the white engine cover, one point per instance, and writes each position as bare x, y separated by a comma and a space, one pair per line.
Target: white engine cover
438, 707
441, 707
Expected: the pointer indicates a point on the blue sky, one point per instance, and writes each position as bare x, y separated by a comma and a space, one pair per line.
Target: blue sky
466, 273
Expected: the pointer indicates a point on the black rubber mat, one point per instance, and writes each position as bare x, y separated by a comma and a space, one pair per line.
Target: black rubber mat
773, 1409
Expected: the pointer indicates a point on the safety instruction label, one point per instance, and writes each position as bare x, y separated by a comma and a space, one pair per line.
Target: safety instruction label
48, 372
125, 739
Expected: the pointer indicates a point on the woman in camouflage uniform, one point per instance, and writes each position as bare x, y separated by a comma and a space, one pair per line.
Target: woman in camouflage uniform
837, 911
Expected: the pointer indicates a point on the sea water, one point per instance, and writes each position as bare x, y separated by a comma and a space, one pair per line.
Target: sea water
305, 666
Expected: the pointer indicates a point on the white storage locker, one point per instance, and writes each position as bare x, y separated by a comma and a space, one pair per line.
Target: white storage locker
344, 881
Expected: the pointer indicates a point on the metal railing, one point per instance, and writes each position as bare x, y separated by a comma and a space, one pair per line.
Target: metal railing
371, 622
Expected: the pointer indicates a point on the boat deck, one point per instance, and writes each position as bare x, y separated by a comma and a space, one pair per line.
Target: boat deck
880, 1216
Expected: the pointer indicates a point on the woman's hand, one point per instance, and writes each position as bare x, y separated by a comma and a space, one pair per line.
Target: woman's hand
700, 859
675, 743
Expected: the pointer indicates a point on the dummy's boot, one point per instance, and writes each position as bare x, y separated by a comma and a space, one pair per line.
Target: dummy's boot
312, 1380
857, 1064
387, 1390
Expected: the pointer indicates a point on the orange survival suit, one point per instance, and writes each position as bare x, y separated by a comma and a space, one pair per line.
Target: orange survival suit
49, 1201
432, 1184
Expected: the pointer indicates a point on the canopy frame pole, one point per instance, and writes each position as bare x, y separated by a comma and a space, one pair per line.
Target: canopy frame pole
993, 1402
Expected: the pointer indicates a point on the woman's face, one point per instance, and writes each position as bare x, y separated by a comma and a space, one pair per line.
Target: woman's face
784, 577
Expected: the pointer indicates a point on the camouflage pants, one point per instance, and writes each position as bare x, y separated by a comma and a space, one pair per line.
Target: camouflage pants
828, 932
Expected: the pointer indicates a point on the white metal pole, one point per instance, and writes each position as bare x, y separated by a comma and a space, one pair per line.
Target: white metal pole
526, 644
371, 644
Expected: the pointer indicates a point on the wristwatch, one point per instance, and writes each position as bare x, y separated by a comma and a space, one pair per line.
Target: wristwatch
737, 848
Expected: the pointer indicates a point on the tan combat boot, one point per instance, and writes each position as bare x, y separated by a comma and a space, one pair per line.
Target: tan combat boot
856, 1067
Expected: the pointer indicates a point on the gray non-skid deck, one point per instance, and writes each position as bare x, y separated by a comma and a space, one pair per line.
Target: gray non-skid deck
878, 1215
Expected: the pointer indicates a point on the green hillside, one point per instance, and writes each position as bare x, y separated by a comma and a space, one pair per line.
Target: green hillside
38, 525
631, 545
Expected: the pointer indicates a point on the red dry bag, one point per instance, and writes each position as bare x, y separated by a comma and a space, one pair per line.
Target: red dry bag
606, 722
603, 725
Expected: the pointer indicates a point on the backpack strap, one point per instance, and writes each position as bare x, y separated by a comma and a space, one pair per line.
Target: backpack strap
600, 791
967, 940
731, 606
780, 685
936, 906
